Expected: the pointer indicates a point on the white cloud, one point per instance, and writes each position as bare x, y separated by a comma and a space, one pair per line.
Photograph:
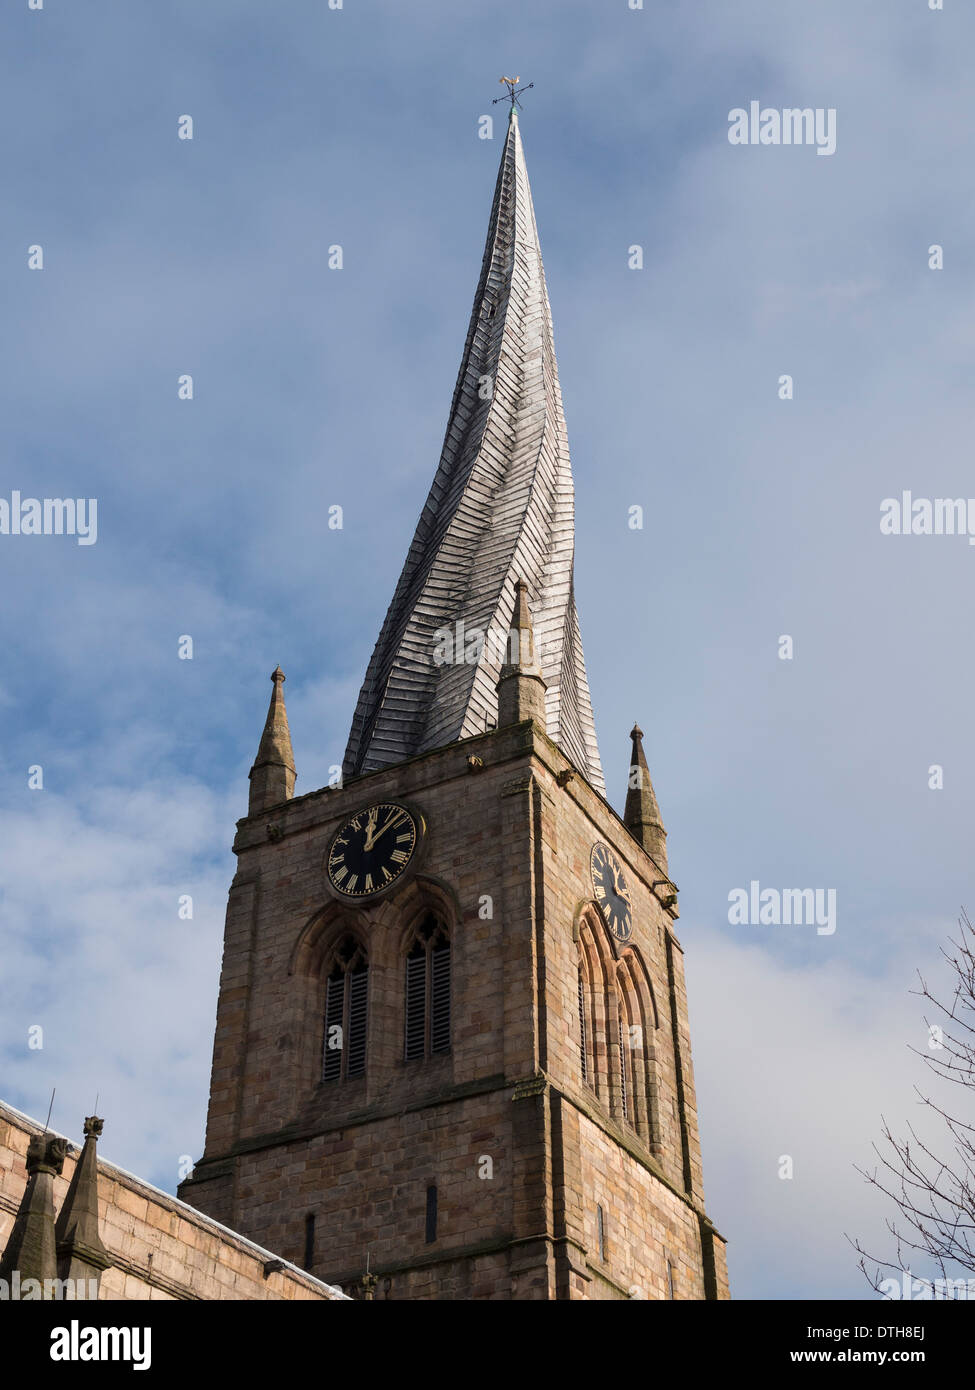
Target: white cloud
96, 954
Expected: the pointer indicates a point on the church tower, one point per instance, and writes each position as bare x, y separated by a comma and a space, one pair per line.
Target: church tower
452, 1045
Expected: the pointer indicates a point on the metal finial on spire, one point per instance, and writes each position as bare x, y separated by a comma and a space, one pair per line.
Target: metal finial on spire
513, 92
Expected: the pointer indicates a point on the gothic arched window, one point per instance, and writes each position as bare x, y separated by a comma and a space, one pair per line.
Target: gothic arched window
638, 1021
617, 1022
346, 1006
427, 1029
593, 1005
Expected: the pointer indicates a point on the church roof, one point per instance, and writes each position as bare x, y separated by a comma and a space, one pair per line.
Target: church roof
500, 510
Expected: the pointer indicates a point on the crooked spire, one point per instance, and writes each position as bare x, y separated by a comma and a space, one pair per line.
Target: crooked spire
501, 508
641, 815
273, 774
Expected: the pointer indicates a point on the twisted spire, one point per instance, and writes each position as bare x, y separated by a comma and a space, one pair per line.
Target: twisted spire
501, 508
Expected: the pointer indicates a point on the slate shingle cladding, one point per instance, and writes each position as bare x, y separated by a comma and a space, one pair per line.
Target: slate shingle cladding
501, 508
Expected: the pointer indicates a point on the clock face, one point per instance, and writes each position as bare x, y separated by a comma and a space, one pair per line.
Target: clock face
372, 850
611, 891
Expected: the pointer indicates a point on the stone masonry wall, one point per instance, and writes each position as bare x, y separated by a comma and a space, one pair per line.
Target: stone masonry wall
160, 1247
505, 863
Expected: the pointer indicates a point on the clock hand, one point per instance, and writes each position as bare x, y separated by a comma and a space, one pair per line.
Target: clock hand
393, 820
370, 830
622, 893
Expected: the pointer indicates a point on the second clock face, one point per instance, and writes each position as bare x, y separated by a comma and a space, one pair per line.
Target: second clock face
611, 891
372, 849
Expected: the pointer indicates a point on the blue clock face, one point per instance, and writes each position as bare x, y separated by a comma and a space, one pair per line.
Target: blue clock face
611, 892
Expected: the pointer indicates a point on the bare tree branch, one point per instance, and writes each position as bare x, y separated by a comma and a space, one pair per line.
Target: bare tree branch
934, 1196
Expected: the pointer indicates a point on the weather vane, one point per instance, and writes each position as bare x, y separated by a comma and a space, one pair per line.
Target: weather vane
513, 92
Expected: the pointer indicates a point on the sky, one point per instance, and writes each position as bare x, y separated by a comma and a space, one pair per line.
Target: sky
316, 387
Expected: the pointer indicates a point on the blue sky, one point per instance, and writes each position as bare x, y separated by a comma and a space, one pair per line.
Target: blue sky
315, 387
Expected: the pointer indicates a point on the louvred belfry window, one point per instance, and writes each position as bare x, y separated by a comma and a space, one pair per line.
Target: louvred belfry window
583, 1040
624, 1105
416, 1001
346, 1008
428, 992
